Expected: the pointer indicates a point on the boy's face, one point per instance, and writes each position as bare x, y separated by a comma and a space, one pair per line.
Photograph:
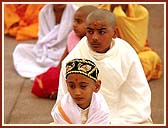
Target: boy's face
81, 88
79, 24
59, 7
99, 35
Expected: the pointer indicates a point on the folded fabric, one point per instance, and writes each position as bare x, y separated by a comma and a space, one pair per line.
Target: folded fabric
21, 20
31, 60
46, 84
133, 27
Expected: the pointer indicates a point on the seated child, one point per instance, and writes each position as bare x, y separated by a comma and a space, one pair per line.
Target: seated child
48, 80
79, 29
82, 104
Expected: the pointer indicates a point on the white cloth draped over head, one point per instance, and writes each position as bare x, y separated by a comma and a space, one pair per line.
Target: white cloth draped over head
33, 59
124, 85
98, 111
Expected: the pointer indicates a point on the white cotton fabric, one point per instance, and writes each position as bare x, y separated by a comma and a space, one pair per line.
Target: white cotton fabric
33, 59
124, 85
98, 111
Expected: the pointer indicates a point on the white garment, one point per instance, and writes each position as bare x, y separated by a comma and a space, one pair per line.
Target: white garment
98, 111
33, 59
124, 85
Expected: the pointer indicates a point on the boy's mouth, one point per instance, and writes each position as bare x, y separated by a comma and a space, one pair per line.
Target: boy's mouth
76, 31
78, 98
95, 44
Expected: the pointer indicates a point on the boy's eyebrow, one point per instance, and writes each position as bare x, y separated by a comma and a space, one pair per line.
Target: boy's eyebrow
84, 83
96, 29
77, 18
70, 82
89, 28
101, 28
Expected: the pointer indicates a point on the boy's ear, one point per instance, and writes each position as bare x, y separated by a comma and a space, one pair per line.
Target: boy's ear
116, 32
97, 86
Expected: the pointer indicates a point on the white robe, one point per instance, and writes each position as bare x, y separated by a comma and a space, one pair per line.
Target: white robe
98, 111
33, 59
124, 85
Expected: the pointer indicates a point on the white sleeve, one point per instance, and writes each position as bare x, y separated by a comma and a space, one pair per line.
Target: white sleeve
42, 25
56, 115
46, 20
135, 97
62, 89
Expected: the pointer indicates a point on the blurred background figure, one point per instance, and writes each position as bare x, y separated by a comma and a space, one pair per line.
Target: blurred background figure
55, 23
132, 26
21, 20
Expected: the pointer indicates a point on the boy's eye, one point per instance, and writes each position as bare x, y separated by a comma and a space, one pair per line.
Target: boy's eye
71, 85
78, 21
83, 86
101, 32
90, 31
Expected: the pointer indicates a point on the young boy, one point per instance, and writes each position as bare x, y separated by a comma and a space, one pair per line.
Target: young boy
82, 104
79, 28
124, 85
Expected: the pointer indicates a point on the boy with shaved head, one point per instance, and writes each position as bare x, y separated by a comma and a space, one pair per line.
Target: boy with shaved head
79, 28
124, 85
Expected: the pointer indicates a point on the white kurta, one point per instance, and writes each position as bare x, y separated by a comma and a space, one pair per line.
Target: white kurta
33, 59
98, 111
124, 85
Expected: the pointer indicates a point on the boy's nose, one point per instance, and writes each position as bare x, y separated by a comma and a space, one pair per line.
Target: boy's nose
95, 36
77, 91
74, 24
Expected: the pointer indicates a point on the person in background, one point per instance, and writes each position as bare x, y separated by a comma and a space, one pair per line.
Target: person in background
79, 28
124, 85
45, 85
132, 26
21, 20
83, 104
55, 23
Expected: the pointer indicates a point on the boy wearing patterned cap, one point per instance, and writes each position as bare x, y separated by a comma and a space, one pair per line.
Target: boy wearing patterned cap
82, 104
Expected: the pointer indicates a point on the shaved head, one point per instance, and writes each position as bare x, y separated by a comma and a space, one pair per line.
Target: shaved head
101, 15
86, 9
